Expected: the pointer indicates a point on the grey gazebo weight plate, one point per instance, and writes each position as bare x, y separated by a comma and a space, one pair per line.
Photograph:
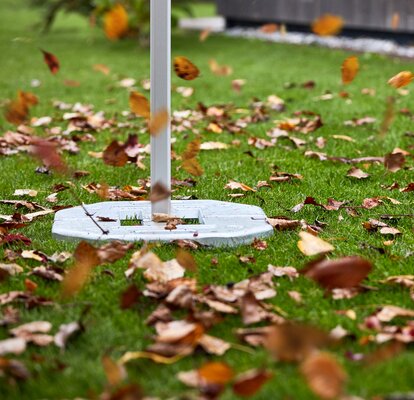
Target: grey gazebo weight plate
220, 223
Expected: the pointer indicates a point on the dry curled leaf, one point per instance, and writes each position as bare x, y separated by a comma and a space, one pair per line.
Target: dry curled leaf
185, 69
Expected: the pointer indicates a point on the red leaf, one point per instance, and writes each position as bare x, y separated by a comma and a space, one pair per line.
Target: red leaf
51, 61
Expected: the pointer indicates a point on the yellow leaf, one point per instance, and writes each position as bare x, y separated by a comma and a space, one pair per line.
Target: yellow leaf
185, 69
327, 25
402, 79
350, 68
311, 245
116, 22
139, 104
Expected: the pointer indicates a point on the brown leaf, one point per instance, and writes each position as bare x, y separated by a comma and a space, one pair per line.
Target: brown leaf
350, 68
250, 382
311, 245
283, 223
159, 192
394, 161
185, 69
401, 79
324, 375
215, 373
292, 342
159, 122
328, 25
115, 155
130, 297
115, 373
47, 152
186, 260
139, 105
51, 61
346, 272
193, 167
86, 258
116, 22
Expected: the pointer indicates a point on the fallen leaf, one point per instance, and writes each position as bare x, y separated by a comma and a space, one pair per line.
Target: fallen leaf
116, 22
357, 173
233, 185
51, 61
324, 375
12, 346
104, 69
250, 382
311, 245
220, 70
185, 69
215, 373
350, 68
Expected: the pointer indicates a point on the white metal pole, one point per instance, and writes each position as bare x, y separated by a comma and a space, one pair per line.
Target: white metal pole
161, 97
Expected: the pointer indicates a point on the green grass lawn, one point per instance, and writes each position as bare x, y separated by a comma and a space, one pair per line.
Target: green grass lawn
266, 67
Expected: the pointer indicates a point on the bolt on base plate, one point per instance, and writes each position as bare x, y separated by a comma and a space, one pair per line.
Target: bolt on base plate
219, 223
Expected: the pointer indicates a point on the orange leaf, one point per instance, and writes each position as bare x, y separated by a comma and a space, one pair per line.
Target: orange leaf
269, 28
116, 22
402, 79
220, 70
249, 383
139, 104
217, 373
86, 257
51, 61
350, 68
18, 109
185, 69
327, 25
159, 122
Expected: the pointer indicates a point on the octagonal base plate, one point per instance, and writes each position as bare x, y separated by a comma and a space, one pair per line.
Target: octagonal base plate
212, 223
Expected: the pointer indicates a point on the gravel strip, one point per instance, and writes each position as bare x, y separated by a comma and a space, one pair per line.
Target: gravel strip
370, 45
